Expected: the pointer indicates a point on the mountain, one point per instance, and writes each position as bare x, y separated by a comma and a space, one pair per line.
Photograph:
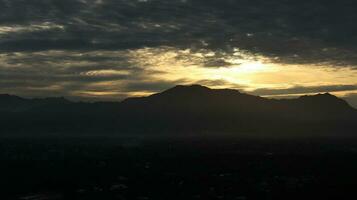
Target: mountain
12, 103
202, 100
183, 110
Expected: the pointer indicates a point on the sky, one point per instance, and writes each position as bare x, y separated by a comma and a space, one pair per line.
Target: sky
112, 49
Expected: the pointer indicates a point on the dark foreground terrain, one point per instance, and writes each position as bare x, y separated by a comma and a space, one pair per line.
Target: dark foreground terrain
182, 168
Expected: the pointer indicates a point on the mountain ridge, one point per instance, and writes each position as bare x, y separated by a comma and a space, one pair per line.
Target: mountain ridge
191, 108
192, 89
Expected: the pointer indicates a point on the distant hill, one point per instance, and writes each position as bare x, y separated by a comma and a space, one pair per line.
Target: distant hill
180, 110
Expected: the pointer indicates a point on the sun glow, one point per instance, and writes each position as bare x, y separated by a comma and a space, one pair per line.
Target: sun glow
145, 71
240, 70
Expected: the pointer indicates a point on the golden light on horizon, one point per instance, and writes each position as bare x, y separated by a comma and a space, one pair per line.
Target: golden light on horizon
109, 74
241, 70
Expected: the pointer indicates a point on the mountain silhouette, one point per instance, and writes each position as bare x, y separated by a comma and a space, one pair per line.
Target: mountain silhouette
196, 98
192, 109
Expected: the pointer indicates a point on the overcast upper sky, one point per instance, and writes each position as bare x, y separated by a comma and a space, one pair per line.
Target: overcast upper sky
111, 49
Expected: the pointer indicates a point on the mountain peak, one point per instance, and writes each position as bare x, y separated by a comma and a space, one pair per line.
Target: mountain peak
321, 96
324, 101
53, 99
6, 96
10, 98
184, 89
198, 91
195, 87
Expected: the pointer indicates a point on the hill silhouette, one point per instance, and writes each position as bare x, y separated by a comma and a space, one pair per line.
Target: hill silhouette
193, 109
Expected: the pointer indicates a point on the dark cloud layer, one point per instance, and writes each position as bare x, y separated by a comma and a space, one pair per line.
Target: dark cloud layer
304, 31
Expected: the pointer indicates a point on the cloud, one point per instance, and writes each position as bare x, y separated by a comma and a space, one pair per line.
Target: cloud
301, 31
103, 75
